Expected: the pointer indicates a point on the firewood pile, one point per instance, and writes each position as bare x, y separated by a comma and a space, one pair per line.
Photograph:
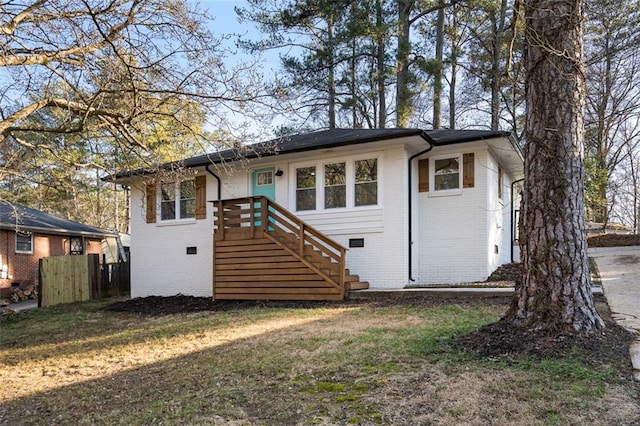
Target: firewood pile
6, 313
20, 294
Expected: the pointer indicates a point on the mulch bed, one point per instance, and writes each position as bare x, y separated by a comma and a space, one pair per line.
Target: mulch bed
613, 240
502, 340
158, 305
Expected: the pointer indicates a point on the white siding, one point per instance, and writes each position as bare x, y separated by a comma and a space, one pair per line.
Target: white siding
457, 235
159, 263
499, 230
452, 229
383, 260
453, 236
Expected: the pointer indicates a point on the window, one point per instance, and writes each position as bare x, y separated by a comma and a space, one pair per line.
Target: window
76, 246
449, 173
264, 178
335, 185
366, 182
338, 184
24, 242
177, 200
306, 188
446, 174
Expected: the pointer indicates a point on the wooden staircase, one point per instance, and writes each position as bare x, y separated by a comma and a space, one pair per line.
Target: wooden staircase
263, 251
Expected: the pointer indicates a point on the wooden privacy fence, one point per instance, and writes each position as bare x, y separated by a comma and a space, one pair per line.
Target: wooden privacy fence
116, 278
66, 279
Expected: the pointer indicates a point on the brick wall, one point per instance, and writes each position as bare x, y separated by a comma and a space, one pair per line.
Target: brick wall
23, 267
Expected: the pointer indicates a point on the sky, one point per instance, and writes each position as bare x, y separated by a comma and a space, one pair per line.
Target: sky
226, 22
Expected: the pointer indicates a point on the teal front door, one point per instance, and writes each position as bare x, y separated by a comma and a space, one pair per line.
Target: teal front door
263, 183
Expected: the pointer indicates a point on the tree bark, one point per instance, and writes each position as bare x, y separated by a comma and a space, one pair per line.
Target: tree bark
403, 92
454, 67
437, 75
380, 63
496, 64
332, 69
554, 292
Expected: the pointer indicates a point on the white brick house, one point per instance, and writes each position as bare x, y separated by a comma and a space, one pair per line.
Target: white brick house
411, 206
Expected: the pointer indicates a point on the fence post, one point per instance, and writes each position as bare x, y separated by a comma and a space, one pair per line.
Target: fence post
263, 214
40, 283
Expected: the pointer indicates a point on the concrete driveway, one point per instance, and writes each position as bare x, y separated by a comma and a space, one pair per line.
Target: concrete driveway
619, 269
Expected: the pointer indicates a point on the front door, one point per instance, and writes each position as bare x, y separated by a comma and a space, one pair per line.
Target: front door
264, 183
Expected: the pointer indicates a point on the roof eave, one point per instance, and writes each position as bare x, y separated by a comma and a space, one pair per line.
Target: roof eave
58, 231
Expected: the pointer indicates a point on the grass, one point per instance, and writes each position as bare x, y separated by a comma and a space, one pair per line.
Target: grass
78, 364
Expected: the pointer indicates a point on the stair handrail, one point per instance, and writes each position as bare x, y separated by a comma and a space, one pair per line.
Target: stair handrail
304, 229
307, 234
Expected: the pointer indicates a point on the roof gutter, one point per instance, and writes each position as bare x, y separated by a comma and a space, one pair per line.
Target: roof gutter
431, 143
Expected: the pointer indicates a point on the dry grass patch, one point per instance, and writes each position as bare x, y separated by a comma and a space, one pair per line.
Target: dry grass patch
351, 363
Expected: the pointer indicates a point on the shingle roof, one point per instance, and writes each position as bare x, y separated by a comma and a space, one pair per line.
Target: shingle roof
17, 216
325, 139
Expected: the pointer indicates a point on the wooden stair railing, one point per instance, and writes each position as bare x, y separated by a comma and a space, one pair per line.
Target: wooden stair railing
260, 217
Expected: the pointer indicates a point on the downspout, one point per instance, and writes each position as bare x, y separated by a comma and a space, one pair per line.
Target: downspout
513, 225
431, 143
217, 178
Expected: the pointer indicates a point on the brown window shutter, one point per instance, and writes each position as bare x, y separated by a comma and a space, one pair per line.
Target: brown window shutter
201, 197
468, 161
500, 180
423, 175
151, 203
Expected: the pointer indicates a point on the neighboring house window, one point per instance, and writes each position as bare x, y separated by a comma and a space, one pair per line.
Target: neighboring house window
76, 246
306, 188
335, 185
177, 200
24, 242
446, 173
342, 184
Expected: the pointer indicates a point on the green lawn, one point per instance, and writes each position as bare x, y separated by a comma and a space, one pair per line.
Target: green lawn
348, 364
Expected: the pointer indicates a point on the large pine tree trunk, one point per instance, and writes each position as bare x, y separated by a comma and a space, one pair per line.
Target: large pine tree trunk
380, 64
403, 91
554, 292
438, 72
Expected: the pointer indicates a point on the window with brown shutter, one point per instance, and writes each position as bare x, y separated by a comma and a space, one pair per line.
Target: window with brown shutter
500, 182
423, 175
151, 203
468, 170
201, 197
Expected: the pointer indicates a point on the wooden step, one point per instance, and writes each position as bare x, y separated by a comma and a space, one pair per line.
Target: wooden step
358, 285
352, 282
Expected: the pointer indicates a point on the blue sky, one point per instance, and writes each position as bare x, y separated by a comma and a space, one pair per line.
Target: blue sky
226, 22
